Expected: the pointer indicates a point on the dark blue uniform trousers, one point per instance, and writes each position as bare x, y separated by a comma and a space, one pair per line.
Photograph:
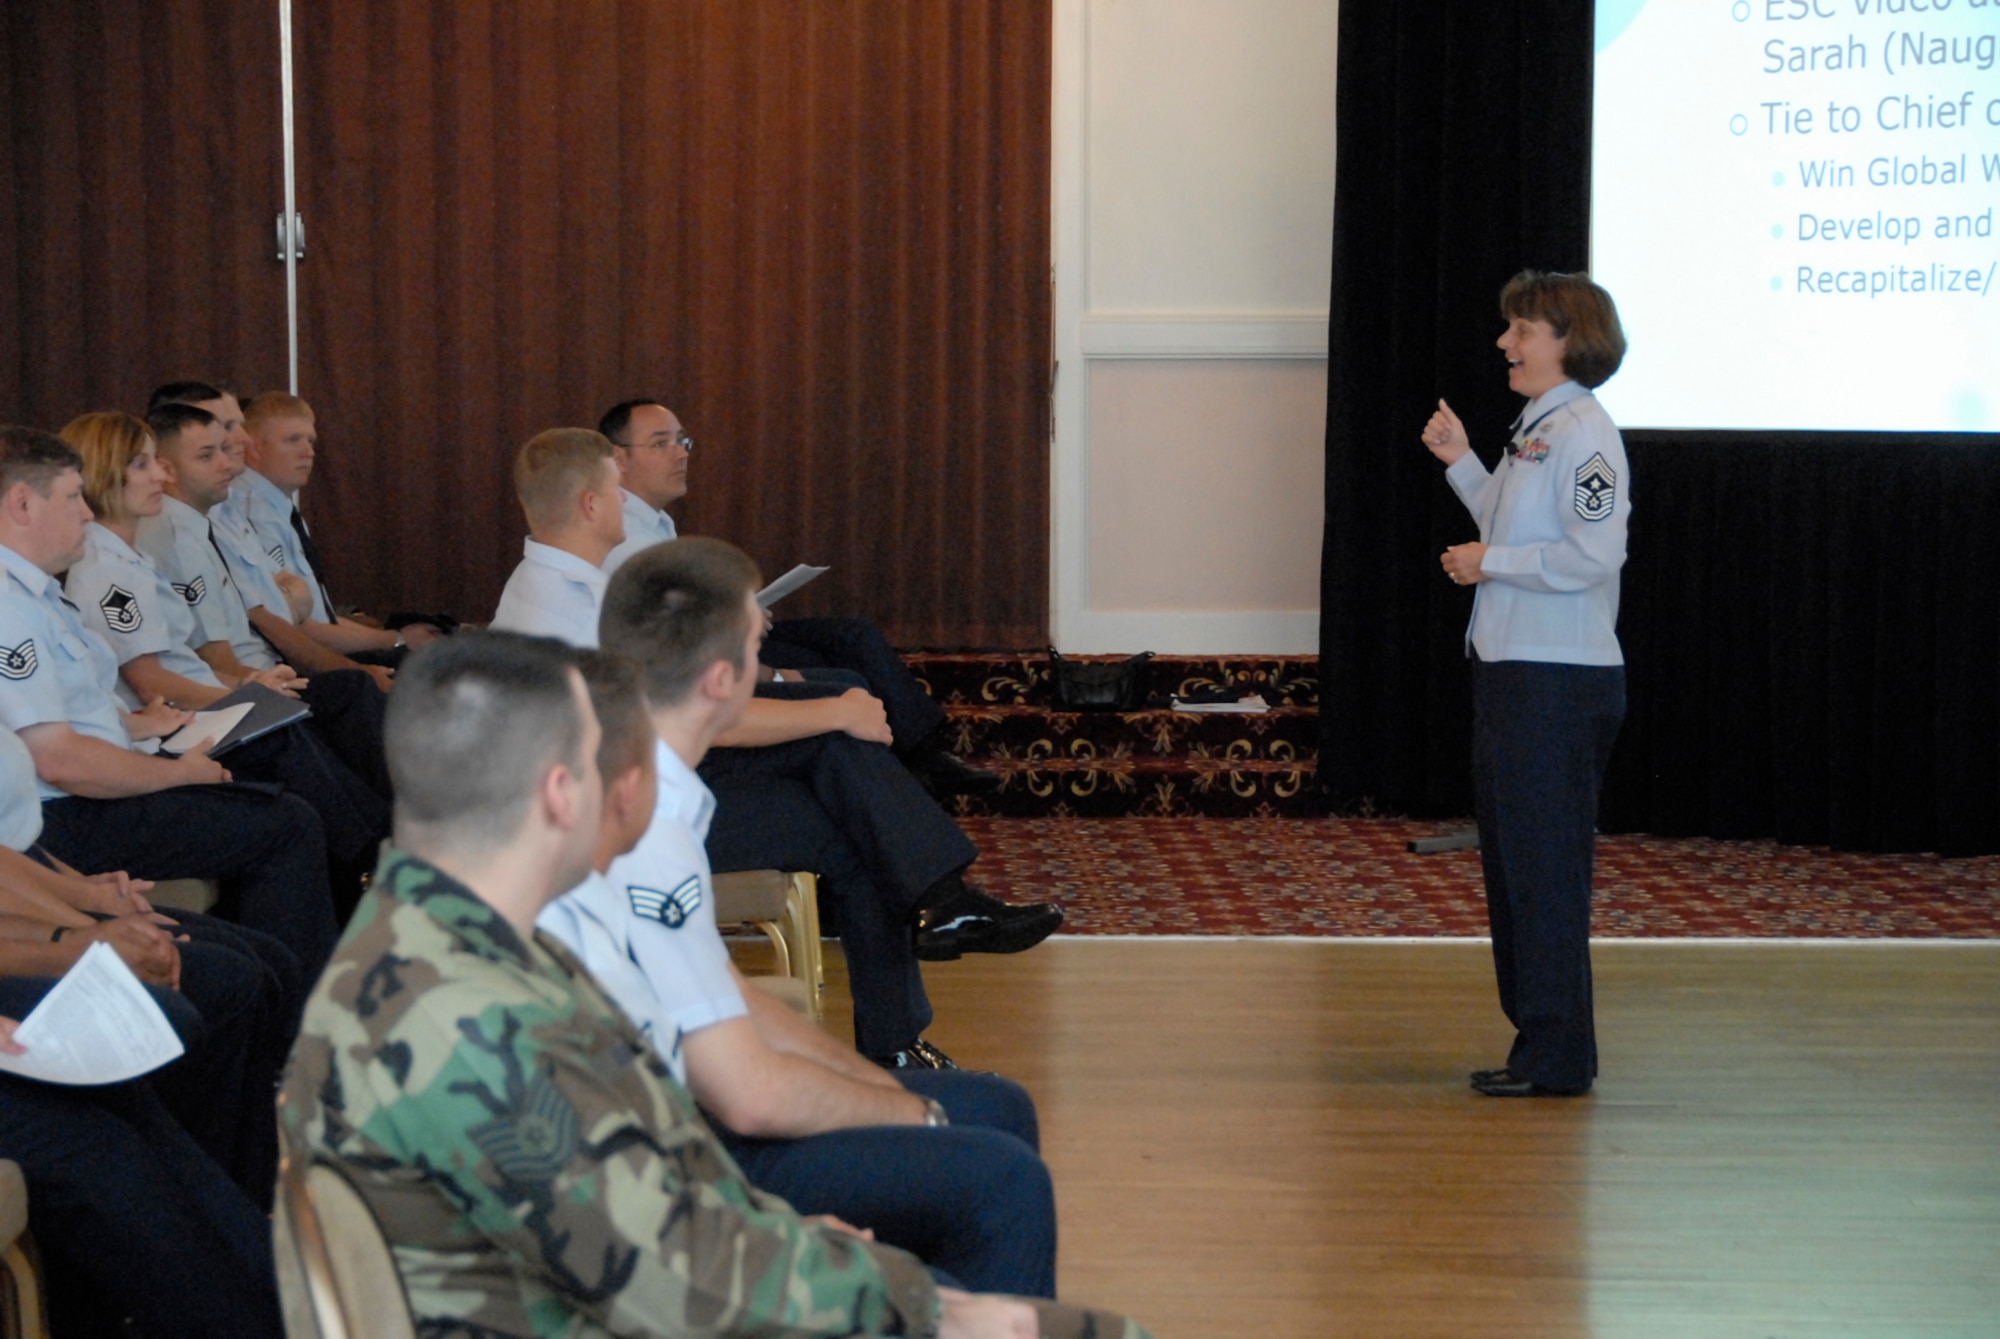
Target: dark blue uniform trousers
858, 645
1541, 738
973, 1200
134, 1218
264, 846
849, 812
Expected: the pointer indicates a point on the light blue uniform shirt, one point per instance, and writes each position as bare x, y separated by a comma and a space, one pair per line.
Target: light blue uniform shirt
125, 600
254, 570
269, 511
552, 594
1553, 517
52, 670
655, 911
177, 541
20, 794
645, 526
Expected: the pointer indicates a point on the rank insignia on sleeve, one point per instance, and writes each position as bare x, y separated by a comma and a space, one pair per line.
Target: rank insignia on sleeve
534, 1141
669, 909
1596, 488
277, 552
121, 610
193, 591
18, 662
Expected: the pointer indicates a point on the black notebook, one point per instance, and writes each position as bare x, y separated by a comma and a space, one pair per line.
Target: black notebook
225, 717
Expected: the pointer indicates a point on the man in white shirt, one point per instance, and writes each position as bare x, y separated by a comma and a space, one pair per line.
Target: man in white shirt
237, 636
940, 1163
654, 452
803, 784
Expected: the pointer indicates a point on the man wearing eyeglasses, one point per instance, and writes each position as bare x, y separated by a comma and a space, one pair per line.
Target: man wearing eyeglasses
653, 456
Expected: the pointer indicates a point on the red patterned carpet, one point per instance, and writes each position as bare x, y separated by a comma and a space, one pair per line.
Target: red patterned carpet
1352, 877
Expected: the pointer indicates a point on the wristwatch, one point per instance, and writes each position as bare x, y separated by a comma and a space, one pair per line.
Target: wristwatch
934, 1114
400, 643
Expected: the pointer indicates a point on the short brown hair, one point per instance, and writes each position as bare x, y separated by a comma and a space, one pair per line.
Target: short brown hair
553, 470
1579, 312
109, 441
677, 609
274, 404
33, 457
618, 696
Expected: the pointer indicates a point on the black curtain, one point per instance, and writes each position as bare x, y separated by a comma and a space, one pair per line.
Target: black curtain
1811, 621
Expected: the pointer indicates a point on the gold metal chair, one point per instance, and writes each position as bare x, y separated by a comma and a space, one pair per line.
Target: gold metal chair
336, 1276
23, 1314
784, 907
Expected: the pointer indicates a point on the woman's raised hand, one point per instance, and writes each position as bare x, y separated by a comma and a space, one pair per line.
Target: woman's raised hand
1445, 435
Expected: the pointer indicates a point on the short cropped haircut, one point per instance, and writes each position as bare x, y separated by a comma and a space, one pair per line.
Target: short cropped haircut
677, 609
1579, 312
554, 469
274, 404
168, 421
475, 723
185, 392
617, 421
109, 441
618, 696
33, 457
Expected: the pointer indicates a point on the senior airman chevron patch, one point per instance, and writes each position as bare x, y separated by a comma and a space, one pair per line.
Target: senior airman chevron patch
669, 909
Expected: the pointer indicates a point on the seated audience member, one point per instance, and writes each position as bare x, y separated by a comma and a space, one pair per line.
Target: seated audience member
151, 629
653, 456
283, 442
235, 636
276, 601
132, 1218
231, 516
940, 1163
235, 1014
105, 803
533, 1161
804, 784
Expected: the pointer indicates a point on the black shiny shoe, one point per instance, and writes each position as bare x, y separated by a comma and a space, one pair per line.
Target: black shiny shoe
970, 921
945, 774
919, 1054
1480, 1076
1509, 1084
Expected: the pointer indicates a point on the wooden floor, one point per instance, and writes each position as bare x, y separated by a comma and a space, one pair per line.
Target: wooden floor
1274, 1139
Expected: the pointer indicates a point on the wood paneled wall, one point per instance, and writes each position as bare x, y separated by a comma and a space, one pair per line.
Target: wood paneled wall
818, 230
140, 181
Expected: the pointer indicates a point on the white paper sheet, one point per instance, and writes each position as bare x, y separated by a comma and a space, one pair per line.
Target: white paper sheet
98, 1025
1250, 706
211, 725
788, 583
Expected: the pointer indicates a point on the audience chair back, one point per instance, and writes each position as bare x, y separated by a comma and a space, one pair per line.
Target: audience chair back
336, 1276
785, 908
22, 1314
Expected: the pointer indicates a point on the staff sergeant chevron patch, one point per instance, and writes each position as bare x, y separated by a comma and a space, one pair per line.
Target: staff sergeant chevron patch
18, 662
669, 909
121, 611
193, 591
1596, 489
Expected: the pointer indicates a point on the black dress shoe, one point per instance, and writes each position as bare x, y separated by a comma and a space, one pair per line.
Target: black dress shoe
1480, 1076
919, 1054
970, 921
945, 774
1508, 1084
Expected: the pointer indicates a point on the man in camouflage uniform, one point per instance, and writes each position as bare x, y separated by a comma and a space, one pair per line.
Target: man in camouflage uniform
535, 1166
